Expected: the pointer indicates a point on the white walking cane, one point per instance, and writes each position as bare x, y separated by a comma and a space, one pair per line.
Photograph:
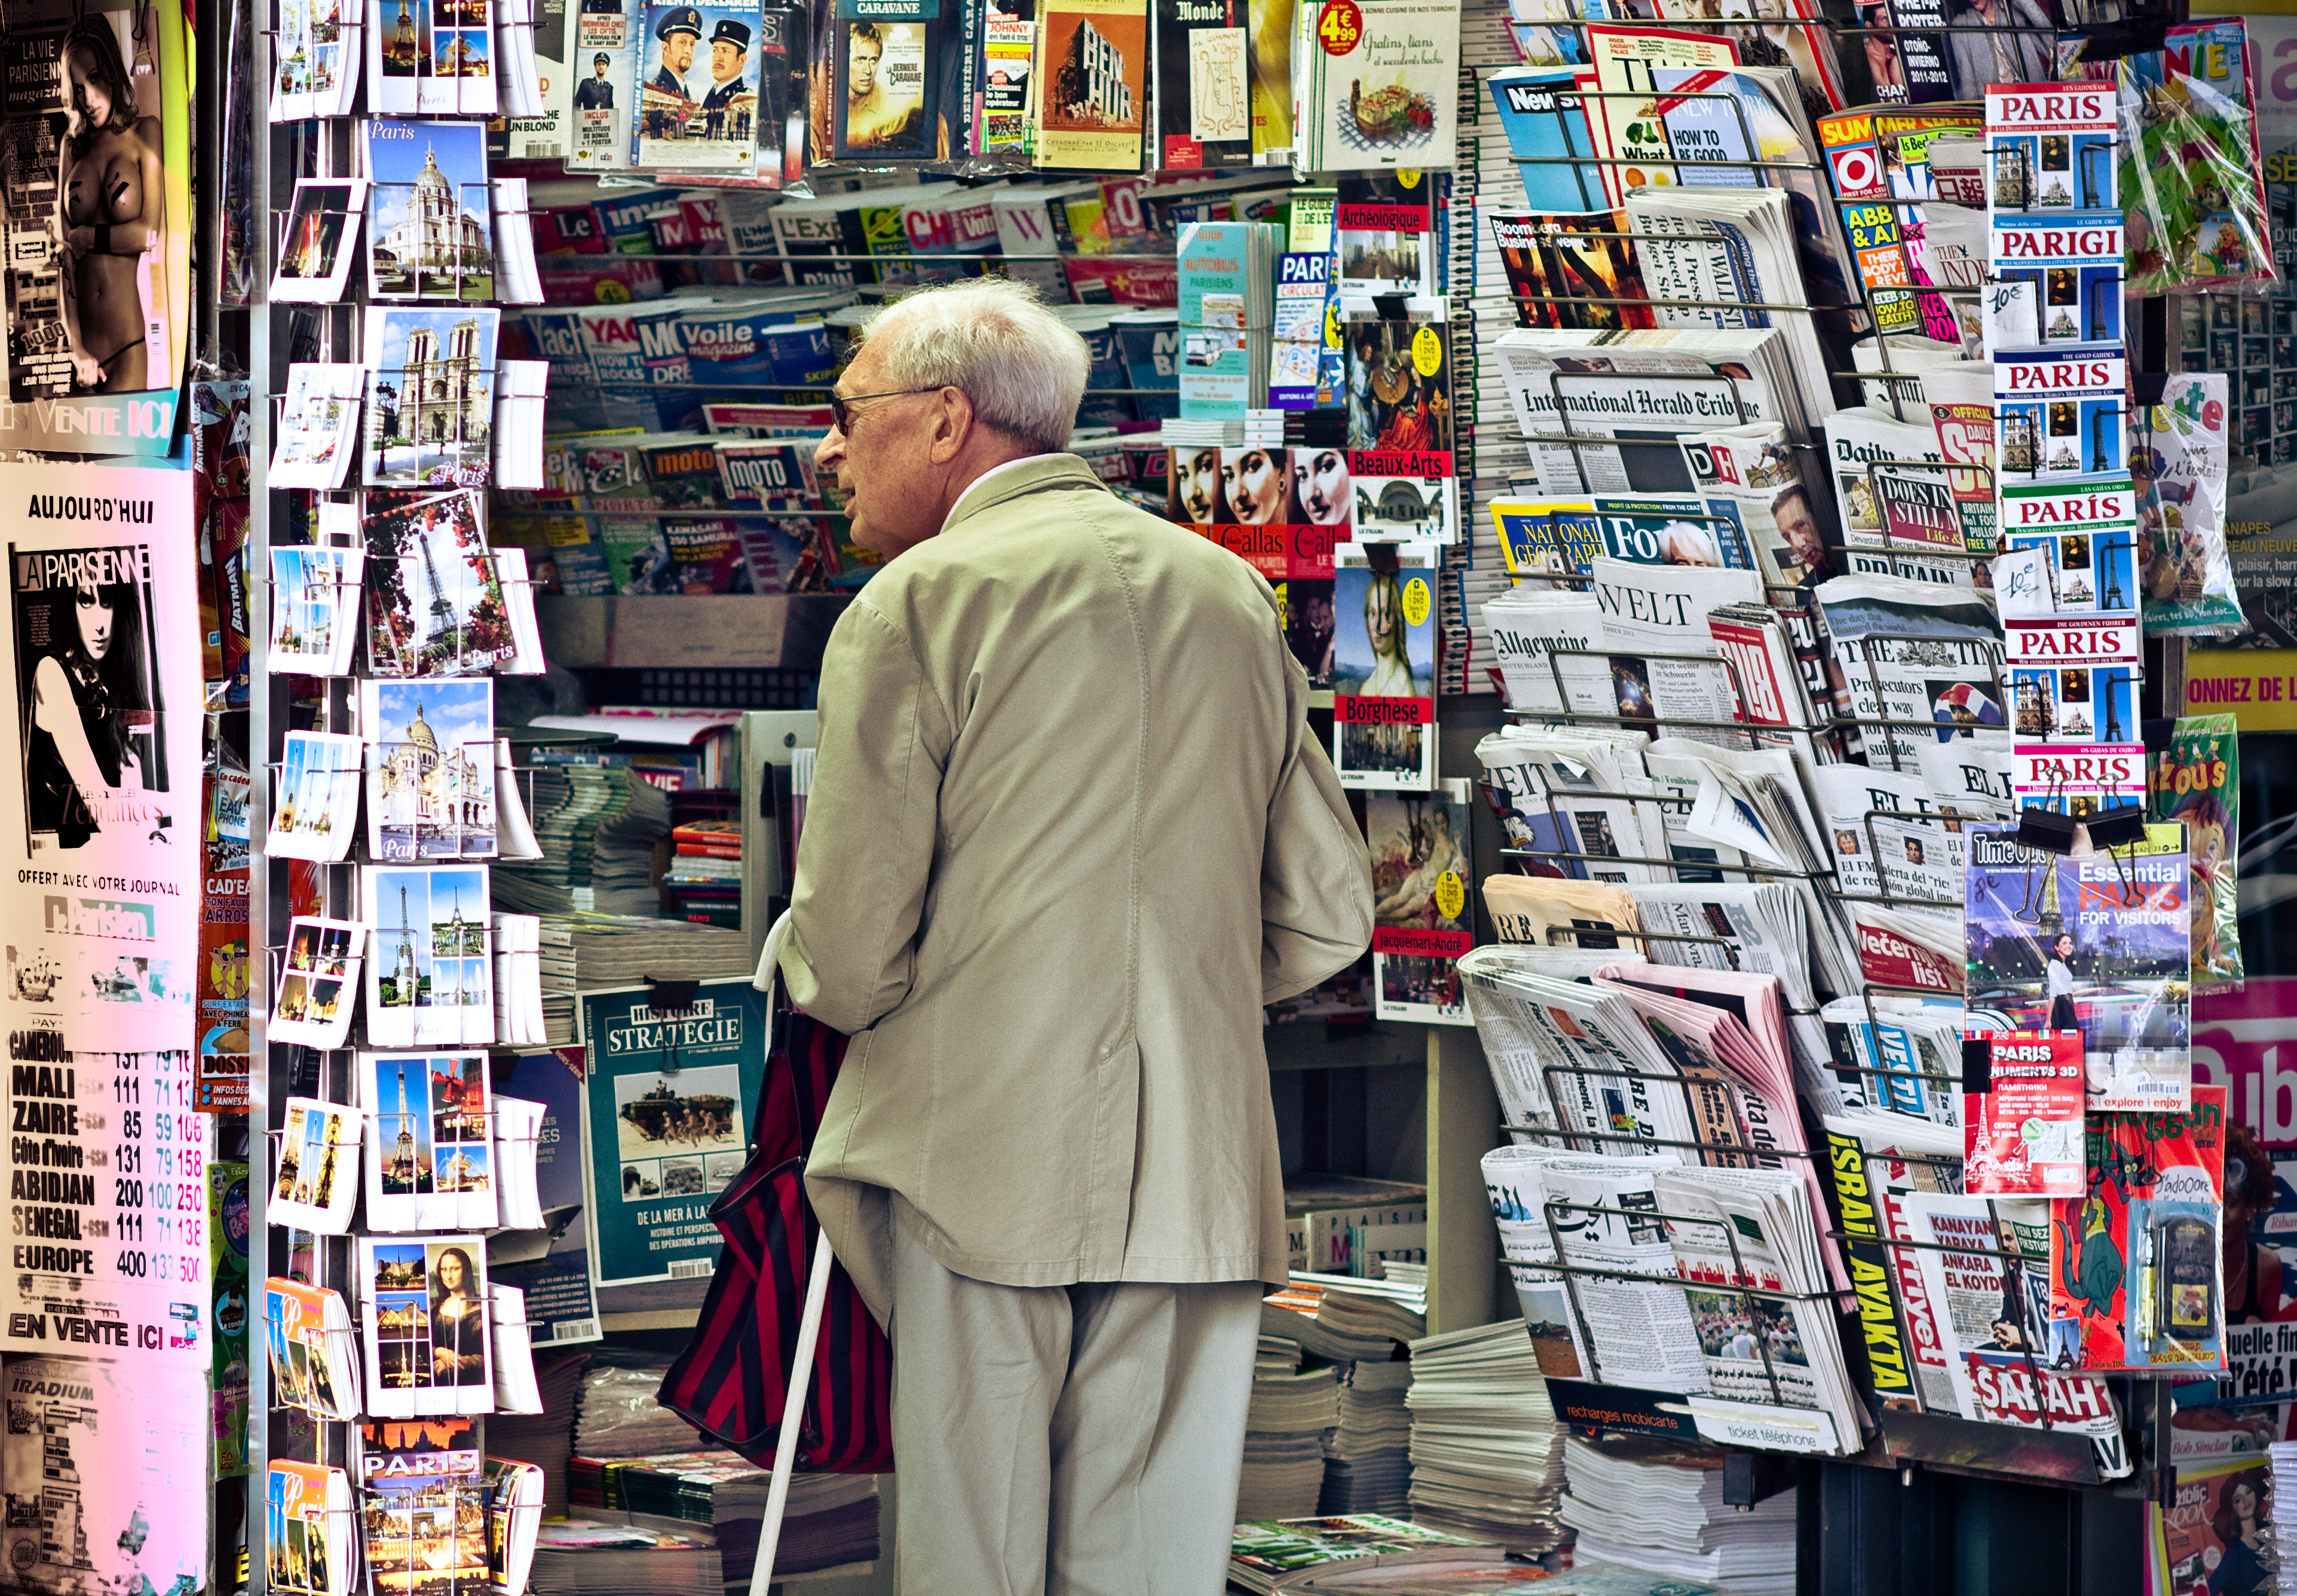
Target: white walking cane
809, 1330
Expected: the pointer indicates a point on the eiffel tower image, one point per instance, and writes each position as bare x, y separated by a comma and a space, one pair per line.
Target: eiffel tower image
405, 977
445, 626
2053, 912
458, 938
398, 1174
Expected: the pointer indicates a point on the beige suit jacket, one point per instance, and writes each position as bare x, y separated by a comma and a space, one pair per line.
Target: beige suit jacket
1068, 832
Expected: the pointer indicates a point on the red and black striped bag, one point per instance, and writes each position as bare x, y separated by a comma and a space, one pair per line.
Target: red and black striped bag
732, 1381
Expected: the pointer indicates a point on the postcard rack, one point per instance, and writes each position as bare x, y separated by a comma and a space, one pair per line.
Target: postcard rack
1911, 1427
445, 812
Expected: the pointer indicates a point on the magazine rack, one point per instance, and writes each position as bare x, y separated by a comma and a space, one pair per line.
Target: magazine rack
1894, 724
1746, 728
1560, 576
1748, 1294
1578, 442
1593, 938
1911, 1432
1882, 894
1892, 542
1570, 824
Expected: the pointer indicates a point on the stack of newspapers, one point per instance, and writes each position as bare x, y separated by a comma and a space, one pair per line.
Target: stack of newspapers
1669, 813
1666, 1514
1587, 1060
593, 952
1486, 1451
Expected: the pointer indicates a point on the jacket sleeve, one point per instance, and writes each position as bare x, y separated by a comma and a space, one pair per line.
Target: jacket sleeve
865, 859
1315, 875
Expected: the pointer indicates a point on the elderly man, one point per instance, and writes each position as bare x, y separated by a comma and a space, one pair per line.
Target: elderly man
1069, 830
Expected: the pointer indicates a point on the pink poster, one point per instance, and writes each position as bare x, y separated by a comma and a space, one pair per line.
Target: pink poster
2245, 1040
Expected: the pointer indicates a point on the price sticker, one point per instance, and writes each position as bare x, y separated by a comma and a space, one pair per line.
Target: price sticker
1450, 895
1427, 352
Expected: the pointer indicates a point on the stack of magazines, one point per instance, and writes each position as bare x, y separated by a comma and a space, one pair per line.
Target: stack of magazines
1486, 1453
1759, 852
1291, 1412
1278, 1555
1341, 1319
1367, 1459
588, 952
598, 824
544, 1439
582, 1557
1698, 368
830, 1519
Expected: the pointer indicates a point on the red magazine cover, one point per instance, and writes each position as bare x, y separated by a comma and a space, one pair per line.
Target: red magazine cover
2136, 1264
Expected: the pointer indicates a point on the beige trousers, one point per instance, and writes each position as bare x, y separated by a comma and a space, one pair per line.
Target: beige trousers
1066, 1440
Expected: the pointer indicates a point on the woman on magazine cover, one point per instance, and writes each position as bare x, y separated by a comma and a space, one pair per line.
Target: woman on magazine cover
2058, 978
87, 691
1257, 484
1383, 613
110, 216
1320, 481
1196, 493
2239, 1526
458, 1322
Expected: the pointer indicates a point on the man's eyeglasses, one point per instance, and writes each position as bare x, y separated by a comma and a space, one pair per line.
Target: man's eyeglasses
841, 406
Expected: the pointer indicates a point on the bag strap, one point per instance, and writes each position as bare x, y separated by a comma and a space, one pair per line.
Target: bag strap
768, 980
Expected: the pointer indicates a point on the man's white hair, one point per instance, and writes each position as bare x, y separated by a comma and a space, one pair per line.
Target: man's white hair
1023, 367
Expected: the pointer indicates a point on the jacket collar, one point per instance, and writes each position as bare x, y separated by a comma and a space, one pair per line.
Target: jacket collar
1046, 474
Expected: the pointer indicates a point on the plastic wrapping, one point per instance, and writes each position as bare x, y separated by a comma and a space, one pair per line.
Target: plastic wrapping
2198, 781
619, 1417
2178, 458
2191, 180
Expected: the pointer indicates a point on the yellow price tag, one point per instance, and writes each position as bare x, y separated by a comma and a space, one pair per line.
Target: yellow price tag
1417, 601
1427, 352
1331, 327
1450, 895
1407, 177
